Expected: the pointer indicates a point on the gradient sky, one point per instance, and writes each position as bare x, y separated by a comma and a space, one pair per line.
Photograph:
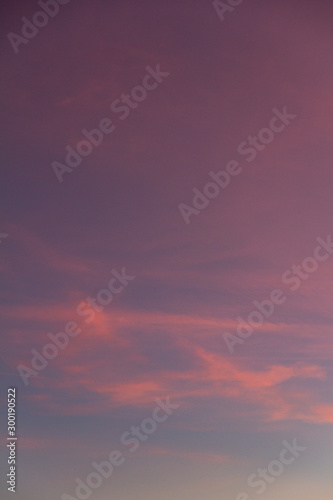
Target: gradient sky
163, 334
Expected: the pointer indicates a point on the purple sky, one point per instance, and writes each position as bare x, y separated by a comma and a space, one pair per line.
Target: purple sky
163, 334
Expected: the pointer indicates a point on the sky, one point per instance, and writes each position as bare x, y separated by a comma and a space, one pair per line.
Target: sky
202, 197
